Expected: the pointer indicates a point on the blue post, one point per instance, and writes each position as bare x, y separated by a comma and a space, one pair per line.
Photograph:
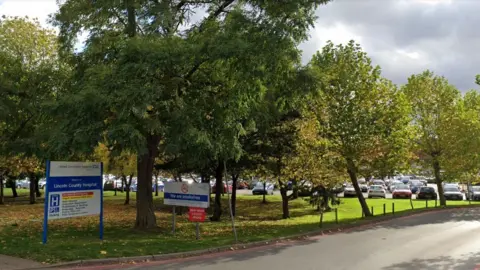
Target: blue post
101, 202
45, 210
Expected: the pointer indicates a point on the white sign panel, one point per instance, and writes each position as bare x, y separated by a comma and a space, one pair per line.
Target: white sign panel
76, 203
66, 168
74, 189
184, 194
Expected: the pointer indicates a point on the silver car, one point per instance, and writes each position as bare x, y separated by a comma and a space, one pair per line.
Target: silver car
349, 191
452, 193
377, 191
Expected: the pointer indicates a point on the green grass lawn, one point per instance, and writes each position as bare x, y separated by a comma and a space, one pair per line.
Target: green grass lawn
74, 239
21, 192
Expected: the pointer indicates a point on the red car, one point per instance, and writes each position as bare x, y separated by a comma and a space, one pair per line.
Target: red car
402, 191
224, 188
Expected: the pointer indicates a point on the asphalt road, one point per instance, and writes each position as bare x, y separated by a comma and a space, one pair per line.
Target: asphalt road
431, 241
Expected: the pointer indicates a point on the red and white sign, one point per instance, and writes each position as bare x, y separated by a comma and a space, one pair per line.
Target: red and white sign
196, 214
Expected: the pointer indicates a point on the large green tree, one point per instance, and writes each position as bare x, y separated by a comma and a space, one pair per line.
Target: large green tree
31, 75
354, 107
148, 74
434, 104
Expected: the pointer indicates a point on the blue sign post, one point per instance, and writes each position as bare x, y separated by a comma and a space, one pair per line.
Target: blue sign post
73, 189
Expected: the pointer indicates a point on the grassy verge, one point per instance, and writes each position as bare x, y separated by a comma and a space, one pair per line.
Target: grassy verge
75, 239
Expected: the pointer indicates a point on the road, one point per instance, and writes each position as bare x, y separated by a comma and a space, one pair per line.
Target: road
430, 241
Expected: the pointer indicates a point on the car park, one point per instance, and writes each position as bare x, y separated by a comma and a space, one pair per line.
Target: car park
402, 191
427, 193
377, 191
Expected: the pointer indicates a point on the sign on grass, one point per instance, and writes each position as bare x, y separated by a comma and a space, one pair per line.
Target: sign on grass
196, 214
184, 194
73, 189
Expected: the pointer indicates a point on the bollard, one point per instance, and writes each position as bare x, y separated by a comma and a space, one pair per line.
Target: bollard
393, 208
435, 203
372, 211
321, 219
336, 215
384, 209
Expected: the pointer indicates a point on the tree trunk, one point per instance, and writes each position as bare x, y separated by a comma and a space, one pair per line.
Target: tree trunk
2, 200
264, 201
294, 189
122, 188
283, 192
217, 211
14, 189
145, 210
37, 188
32, 188
352, 172
438, 180
128, 183
156, 184
234, 192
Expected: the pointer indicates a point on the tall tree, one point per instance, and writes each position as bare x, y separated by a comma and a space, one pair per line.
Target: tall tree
434, 107
353, 107
461, 157
31, 76
145, 69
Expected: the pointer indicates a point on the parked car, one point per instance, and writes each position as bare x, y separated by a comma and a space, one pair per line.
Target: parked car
242, 185
364, 188
474, 193
214, 188
402, 191
263, 188
427, 193
378, 182
161, 186
41, 183
376, 191
111, 185
415, 185
394, 184
452, 193
349, 191
22, 184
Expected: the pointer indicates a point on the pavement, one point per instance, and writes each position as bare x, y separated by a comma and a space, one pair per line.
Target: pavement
438, 240
11, 263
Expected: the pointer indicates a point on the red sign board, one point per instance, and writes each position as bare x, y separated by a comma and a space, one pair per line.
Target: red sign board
196, 214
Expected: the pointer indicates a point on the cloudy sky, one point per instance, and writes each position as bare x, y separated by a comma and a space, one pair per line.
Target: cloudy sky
402, 36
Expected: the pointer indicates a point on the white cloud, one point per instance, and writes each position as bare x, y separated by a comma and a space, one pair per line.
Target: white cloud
39, 9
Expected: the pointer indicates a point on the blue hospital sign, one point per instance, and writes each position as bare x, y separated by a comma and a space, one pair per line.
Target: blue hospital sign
54, 209
73, 189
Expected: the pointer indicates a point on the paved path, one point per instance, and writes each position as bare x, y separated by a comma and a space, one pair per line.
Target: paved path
431, 241
11, 263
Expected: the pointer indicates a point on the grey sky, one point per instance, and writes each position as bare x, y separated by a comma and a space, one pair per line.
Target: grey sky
408, 36
402, 36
